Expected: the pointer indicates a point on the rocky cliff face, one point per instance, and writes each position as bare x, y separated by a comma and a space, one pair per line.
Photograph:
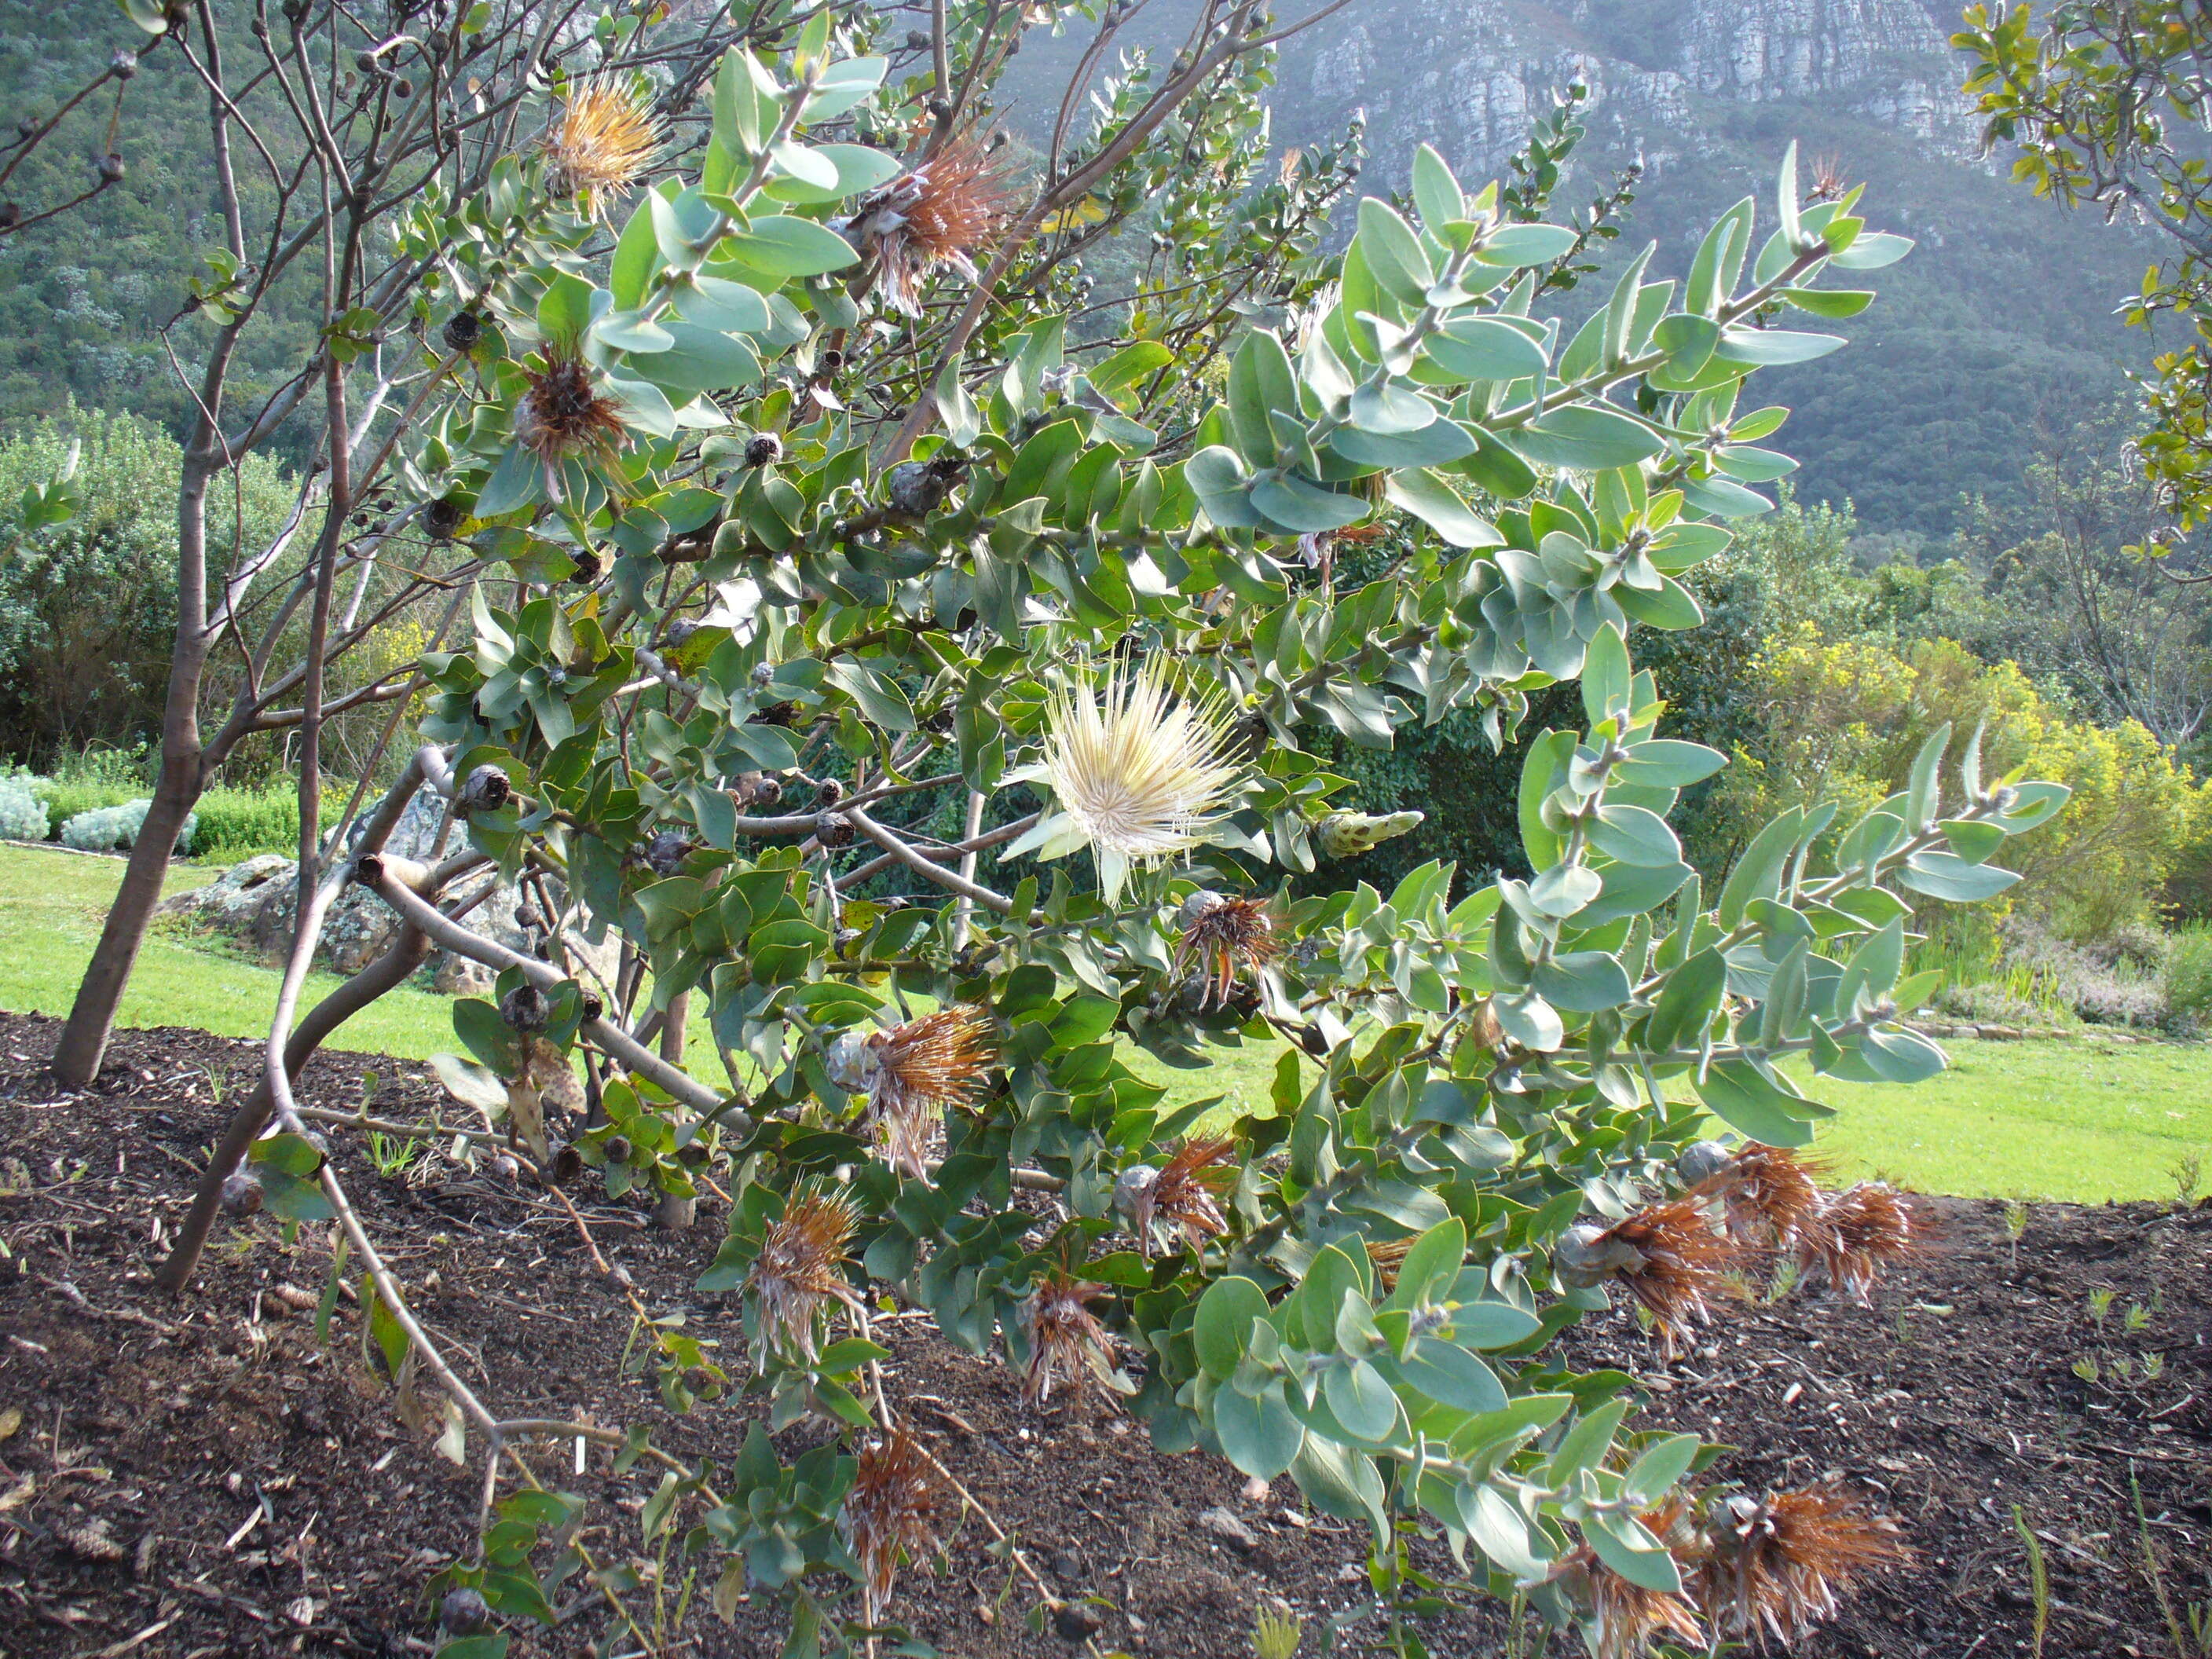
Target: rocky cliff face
1466, 75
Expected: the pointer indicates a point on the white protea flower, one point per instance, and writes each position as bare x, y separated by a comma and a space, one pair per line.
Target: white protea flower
1137, 773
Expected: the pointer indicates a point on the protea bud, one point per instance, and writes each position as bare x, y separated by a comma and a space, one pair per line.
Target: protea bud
763, 450
241, 1193
1347, 835
464, 1612
463, 330
898, 1506
442, 517
666, 853
485, 790
526, 1010
1778, 1565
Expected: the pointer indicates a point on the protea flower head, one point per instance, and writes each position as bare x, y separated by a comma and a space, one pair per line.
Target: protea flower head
797, 1276
1777, 1565
564, 414
1386, 1257
1139, 773
911, 1072
945, 212
1222, 937
1667, 1256
604, 138
1628, 1617
1065, 1337
1768, 1195
1854, 1234
1182, 1197
898, 1506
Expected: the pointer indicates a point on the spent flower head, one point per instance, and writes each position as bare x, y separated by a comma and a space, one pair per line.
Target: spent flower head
1184, 1195
565, 414
1065, 1337
1777, 1565
1769, 1195
943, 213
602, 139
798, 1274
897, 1506
1628, 1617
1223, 937
1671, 1258
1855, 1234
912, 1071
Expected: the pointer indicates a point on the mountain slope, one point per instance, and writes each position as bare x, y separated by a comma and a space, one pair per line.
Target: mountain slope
1995, 337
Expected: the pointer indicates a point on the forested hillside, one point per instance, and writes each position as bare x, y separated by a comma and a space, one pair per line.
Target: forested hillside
1989, 343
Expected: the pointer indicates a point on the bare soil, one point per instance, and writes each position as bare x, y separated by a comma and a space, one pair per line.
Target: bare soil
199, 1476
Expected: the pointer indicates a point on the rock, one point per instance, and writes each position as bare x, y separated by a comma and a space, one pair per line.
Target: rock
1077, 1622
255, 902
1997, 1033
1228, 1529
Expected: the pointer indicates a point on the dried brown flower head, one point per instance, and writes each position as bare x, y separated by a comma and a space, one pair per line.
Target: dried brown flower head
1777, 1565
1222, 937
911, 1072
1683, 1266
796, 1277
603, 139
1387, 1258
945, 212
1065, 1337
1828, 180
898, 1506
1185, 1195
1769, 1195
563, 414
1855, 1234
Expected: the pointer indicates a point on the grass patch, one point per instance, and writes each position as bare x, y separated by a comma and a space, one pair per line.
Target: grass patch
51, 905
2076, 1122
2081, 1121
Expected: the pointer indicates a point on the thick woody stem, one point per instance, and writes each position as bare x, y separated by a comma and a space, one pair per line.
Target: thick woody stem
915, 860
386, 973
618, 1044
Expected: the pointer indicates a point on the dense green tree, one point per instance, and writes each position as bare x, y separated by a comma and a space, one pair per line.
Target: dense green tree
2099, 101
88, 606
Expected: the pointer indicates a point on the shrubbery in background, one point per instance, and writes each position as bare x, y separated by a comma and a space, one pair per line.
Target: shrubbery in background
2187, 978
1842, 720
232, 821
114, 828
22, 814
88, 607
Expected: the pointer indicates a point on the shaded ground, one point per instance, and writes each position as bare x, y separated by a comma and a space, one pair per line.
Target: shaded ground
201, 1478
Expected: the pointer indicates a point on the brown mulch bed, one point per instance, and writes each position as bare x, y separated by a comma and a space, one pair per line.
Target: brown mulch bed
199, 1477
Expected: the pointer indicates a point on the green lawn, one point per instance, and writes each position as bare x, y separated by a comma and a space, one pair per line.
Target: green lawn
2077, 1121
51, 904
